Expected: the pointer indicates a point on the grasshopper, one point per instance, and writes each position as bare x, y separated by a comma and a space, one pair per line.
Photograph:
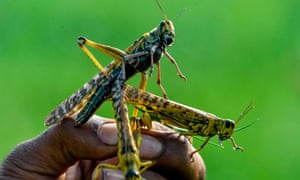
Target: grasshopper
194, 121
109, 82
138, 57
128, 145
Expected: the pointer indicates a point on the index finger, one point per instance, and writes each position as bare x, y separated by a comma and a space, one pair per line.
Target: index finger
175, 161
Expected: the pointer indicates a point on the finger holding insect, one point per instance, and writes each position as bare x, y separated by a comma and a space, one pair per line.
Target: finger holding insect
161, 145
176, 155
95, 140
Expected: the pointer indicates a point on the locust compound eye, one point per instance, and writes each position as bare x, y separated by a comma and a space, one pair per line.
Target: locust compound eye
162, 24
169, 38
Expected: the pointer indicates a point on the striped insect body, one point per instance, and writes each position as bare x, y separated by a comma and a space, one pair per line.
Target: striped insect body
195, 122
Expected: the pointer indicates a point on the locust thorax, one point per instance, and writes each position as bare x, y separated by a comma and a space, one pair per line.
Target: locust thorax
227, 129
166, 32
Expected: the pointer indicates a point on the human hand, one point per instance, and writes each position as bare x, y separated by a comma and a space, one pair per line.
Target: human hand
65, 152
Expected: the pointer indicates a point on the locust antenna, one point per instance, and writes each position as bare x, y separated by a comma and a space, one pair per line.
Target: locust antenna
162, 10
244, 127
247, 109
179, 14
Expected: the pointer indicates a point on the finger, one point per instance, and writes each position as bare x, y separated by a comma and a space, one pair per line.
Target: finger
175, 161
116, 174
109, 174
59, 147
70, 144
84, 142
151, 147
170, 151
82, 169
73, 172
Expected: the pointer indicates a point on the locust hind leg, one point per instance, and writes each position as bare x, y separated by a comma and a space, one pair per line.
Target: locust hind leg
115, 53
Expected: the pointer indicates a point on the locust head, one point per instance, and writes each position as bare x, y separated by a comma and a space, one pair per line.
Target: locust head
167, 32
226, 133
166, 29
227, 130
229, 126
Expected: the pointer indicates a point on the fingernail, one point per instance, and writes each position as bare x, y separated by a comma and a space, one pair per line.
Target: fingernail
108, 134
151, 147
112, 174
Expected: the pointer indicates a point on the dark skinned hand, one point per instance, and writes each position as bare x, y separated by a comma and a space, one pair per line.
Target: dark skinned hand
65, 152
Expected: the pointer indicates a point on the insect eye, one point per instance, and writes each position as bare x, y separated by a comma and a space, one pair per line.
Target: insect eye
168, 38
162, 27
229, 123
162, 24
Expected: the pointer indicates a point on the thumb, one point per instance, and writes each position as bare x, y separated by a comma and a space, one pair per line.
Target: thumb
87, 141
60, 146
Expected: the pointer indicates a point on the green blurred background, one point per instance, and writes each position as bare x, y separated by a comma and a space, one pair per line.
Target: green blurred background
232, 51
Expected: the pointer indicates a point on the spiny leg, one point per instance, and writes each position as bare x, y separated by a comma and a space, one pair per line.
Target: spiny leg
115, 53
137, 132
176, 66
201, 147
235, 146
158, 81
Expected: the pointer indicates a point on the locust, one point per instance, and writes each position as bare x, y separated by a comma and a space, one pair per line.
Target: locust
195, 121
145, 52
138, 57
128, 144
